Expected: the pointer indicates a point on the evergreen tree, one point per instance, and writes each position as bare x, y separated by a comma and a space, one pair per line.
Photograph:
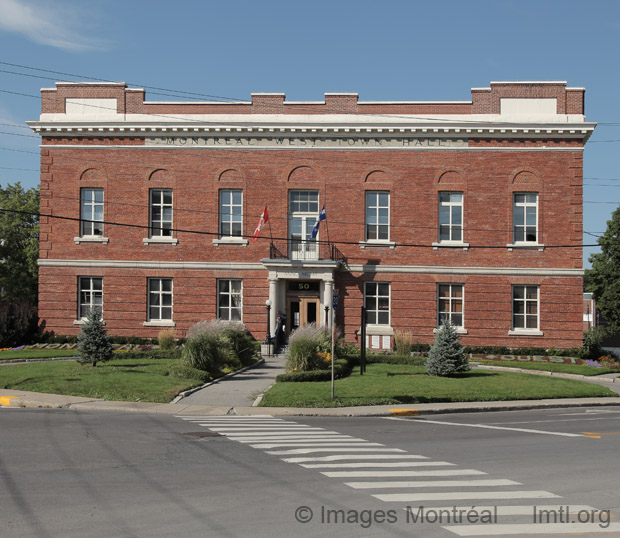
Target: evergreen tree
603, 280
93, 341
446, 356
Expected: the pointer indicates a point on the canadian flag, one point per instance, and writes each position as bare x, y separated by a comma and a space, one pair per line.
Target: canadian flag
261, 222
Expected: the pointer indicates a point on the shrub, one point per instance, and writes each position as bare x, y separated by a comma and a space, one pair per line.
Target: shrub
93, 341
342, 368
305, 346
213, 345
592, 344
403, 341
446, 356
206, 351
182, 371
165, 337
19, 323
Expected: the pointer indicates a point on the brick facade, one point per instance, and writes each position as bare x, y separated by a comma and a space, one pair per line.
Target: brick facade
339, 149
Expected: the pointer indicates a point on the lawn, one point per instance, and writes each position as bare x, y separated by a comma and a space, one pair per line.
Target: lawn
387, 384
146, 380
579, 369
36, 353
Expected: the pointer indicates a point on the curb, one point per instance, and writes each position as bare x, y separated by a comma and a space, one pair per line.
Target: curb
186, 393
550, 374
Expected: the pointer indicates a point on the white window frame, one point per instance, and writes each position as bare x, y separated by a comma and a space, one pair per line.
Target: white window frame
89, 226
375, 204
451, 299
526, 301
232, 295
158, 231
160, 294
523, 224
377, 310
303, 247
232, 207
84, 307
451, 224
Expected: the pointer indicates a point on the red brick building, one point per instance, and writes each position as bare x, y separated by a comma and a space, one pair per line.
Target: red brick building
468, 210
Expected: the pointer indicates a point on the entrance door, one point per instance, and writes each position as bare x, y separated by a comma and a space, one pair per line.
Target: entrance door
301, 311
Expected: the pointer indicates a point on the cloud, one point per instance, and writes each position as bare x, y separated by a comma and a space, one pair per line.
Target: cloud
52, 24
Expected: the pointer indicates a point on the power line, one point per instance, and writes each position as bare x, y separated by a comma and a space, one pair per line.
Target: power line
283, 239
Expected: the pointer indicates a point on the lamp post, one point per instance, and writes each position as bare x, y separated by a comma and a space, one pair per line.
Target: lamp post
326, 316
268, 339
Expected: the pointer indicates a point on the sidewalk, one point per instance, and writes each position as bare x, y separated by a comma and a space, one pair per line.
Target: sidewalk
235, 395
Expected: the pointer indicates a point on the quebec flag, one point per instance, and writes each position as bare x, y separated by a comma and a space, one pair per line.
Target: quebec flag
315, 229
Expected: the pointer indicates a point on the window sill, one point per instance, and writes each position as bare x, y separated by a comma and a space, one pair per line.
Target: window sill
160, 323
384, 244
525, 332
525, 246
379, 330
91, 239
160, 240
459, 330
239, 241
450, 244
83, 321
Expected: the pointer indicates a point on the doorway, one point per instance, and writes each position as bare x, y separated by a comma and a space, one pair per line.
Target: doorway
302, 311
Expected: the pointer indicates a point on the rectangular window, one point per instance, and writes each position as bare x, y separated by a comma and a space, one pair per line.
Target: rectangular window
450, 304
525, 307
161, 213
229, 300
91, 212
377, 216
451, 216
303, 210
377, 303
160, 299
525, 217
90, 295
231, 213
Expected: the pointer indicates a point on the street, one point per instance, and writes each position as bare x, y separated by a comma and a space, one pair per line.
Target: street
103, 474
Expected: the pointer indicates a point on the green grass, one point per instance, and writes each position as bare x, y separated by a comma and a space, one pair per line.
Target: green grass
37, 353
146, 379
387, 384
579, 369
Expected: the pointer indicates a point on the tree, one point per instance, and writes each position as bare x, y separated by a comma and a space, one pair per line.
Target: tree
446, 356
603, 280
19, 243
93, 341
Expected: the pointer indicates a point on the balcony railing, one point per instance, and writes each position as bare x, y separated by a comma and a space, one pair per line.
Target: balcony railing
304, 251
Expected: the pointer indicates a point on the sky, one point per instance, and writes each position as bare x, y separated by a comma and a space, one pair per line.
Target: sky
389, 50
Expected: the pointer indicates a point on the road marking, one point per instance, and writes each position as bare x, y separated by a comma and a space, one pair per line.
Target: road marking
523, 510
455, 495
533, 528
404, 412
227, 417
590, 412
432, 484
554, 421
311, 450
281, 434
316, 444
373, 464
486, 426
5, 401
596, 435
295, 438
292, 427
398, 474
341, 457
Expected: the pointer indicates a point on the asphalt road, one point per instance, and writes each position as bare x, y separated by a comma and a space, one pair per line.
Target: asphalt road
100, 474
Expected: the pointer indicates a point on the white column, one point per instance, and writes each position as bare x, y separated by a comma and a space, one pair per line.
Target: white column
273, 296
327, 301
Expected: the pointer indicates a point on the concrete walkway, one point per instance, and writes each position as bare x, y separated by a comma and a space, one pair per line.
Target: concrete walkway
240, 390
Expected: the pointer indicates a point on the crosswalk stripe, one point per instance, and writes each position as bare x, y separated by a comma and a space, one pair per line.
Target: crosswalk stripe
281, 428
311, 450
372, 464
294, 438
354, 444
432, 484
515, 510
304, 433
455, 495
392, 474
533, 528
343, 457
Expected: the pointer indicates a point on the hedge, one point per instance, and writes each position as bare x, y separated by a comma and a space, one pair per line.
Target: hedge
342, 368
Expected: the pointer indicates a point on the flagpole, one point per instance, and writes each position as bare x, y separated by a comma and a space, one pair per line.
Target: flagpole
269, 221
